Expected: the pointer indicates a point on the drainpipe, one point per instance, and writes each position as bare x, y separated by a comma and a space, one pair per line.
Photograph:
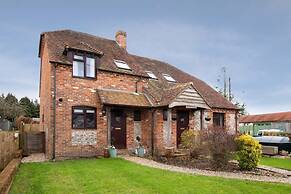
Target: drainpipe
152, 131
236, 121
54, 112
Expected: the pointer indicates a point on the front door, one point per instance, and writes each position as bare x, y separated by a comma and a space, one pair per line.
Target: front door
182, 124
118, 129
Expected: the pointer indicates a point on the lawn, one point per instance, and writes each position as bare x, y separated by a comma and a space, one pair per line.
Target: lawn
120, 176
276, 162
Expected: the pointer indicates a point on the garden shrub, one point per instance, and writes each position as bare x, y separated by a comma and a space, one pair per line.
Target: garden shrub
249, 152
220, 144
191, 140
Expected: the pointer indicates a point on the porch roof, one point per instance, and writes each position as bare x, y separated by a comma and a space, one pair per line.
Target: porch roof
123, 98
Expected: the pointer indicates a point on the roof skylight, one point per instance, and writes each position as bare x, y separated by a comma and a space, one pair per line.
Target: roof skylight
121, 64
151, 74
169, 78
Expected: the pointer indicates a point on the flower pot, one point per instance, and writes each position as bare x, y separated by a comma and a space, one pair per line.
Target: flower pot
140, 151
106, 153
112, 152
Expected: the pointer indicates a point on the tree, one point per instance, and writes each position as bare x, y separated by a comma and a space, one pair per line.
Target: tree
226, 91
9, 107
31, 108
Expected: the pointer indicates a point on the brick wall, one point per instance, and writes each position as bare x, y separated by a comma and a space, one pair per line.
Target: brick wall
82, 92
46, 95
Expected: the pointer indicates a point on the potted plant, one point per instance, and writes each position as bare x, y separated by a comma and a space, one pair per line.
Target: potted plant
139, 151
112, 151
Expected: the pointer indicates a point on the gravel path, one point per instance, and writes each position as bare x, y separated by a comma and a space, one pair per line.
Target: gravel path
242, 176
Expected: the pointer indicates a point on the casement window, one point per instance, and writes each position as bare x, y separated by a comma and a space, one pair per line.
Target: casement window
121, 64
84, 66
83, 118
169, 78
218, 119
137, 115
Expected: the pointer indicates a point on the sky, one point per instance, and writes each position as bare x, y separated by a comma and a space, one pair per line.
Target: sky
250, 38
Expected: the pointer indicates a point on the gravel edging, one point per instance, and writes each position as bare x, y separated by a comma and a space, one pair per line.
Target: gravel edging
241, 176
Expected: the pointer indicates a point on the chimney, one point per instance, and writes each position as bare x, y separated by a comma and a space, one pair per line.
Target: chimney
120, 38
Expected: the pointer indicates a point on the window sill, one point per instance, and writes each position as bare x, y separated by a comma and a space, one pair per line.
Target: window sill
88, 78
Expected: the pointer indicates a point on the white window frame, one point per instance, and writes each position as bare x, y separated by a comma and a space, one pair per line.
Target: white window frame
151, 74
168, 77
121, 64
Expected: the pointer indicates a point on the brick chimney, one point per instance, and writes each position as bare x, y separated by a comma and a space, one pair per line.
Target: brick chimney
120, 38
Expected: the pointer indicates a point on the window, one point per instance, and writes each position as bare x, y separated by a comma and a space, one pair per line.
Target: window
218, 119
169, 78
137, 115
165, 114
121, 64
84, 66
151, 74
84, 118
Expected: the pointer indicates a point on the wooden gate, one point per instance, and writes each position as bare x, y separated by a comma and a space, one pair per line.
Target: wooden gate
33, 142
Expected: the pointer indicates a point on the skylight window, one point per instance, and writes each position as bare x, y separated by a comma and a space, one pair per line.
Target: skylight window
151, 74
121, 64
169, 78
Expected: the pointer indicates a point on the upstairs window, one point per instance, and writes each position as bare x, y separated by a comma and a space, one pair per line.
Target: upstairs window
151, 74
121, 64
84, 118
169, 78
84, 66
218, 119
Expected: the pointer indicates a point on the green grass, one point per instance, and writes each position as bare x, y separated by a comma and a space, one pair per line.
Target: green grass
276, 162
120, 176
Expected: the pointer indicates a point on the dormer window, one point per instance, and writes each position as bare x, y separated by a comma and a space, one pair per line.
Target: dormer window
151, 74
84, 66
169, 78
121, 64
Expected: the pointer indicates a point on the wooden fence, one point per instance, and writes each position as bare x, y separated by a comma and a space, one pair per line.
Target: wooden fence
9, 147
33, 142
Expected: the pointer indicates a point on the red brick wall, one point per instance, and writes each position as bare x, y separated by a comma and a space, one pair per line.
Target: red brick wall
229, 119
46, 98
82, 92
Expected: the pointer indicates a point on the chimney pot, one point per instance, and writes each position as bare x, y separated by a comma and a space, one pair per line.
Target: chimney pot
120, 38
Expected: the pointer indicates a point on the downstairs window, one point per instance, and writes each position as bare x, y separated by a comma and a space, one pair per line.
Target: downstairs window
83, 118
218, 119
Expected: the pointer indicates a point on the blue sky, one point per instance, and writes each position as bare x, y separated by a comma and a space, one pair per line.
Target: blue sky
251, 38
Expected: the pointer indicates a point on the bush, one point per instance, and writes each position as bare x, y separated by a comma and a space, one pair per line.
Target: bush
220, 144
249, 152
191, 140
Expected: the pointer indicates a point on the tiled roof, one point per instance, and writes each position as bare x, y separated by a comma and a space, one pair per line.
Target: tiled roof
59, 40
123, 98
271, 117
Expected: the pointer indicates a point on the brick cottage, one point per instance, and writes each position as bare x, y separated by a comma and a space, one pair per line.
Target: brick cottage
94, 94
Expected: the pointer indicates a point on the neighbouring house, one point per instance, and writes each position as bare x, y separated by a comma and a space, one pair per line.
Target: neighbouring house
253, 123
93, 94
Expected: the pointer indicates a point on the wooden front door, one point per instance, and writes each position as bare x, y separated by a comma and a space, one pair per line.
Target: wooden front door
182, 124
118, 129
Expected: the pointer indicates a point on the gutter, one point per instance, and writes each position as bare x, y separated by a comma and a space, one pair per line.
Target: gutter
152, 131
